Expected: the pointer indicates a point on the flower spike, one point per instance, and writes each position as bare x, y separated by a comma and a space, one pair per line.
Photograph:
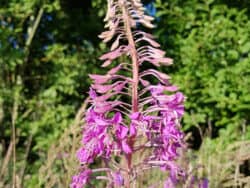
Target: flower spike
129, 114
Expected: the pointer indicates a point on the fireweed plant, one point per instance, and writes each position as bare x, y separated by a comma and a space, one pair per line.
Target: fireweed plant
131, 114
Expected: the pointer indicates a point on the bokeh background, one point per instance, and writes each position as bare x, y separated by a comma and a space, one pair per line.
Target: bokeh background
48, 48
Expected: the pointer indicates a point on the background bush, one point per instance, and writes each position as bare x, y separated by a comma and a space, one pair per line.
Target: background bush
47, 49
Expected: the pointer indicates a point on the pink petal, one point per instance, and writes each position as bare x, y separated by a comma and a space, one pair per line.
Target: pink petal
107, 35
102, 88
117, 86
158, 52
171, 88
120, 86
149, 18
117, 118
135, 115
116, 43
92, 93
106, 63
102, 107
161, 88
169, 184
204, 183
115, 69
100, 79
114, 54
145, 83
125, 147
132, 130
118, 179
146, 23
111, 55
166, 61
101, 122
151, 60
123, 131
161, 76
103, 97
150, 41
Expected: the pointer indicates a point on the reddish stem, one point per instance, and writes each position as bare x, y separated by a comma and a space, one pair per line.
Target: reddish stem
135, 67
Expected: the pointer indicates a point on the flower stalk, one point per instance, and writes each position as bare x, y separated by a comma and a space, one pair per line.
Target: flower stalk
133, 54
135, 70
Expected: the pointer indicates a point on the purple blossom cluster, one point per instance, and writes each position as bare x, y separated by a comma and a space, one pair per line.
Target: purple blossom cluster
81, 179
133, 113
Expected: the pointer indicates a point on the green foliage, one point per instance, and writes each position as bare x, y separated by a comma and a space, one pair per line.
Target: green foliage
210, 43
47, 49
43, 80
225, 154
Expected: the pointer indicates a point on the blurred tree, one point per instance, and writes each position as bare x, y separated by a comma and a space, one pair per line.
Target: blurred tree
46, 48
209, 41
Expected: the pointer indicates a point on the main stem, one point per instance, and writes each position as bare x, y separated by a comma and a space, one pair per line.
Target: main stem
135, 65
133, 53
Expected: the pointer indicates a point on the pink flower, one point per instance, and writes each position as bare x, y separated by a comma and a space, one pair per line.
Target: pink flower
81, 179
203, 183
129, 113
117, 178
